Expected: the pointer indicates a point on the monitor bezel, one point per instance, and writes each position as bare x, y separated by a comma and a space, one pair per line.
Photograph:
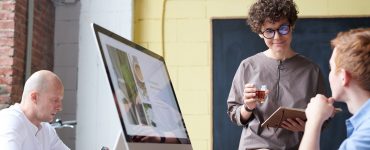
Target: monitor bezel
99, 29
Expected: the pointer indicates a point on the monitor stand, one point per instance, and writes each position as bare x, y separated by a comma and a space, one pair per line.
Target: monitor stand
120, 143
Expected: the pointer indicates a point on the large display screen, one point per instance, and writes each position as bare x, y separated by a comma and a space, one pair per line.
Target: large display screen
142, 91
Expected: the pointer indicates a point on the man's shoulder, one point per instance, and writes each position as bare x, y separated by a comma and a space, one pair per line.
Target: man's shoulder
11, 118
364, 121
12, 111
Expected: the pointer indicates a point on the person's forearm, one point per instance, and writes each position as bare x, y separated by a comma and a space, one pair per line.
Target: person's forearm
244, 115
311, 137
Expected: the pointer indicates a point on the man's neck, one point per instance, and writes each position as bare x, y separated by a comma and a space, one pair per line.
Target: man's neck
357, 97
30, 115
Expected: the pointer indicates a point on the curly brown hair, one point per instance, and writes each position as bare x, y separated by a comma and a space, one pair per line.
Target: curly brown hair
271, 10
353, 54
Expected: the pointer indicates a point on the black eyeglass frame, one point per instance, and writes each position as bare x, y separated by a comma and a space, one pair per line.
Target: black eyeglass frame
280, 30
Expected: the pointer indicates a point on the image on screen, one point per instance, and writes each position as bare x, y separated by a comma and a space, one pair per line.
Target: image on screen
142, 90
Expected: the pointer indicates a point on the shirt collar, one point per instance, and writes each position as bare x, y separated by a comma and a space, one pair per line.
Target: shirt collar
362, 114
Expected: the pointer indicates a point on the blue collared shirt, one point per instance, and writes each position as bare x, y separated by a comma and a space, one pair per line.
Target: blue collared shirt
358, 130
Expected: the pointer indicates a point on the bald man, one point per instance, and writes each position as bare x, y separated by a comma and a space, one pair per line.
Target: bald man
26, 125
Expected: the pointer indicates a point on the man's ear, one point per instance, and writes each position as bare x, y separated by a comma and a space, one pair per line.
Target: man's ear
346, 77
34, 97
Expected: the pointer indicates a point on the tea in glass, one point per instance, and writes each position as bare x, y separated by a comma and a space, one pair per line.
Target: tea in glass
261, 95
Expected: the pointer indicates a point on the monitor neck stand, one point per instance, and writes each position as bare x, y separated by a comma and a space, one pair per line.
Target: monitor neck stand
120, 143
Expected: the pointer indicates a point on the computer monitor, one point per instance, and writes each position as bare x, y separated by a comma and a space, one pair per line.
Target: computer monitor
143, 93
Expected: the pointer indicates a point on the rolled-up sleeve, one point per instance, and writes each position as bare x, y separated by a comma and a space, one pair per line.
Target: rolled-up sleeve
235, 98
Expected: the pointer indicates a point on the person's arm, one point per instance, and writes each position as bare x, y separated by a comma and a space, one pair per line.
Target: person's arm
250, 103
10, 137
318, 110
236, 99
311, 137
9, 141
241, 112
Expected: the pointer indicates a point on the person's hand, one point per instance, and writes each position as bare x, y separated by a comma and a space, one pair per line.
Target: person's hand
249, 96
294, 125
319, 109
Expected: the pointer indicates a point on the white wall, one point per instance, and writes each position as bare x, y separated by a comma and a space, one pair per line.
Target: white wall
98, 122
65, 63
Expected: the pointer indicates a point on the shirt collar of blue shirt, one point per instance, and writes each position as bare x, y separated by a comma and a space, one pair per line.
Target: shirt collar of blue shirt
358, 118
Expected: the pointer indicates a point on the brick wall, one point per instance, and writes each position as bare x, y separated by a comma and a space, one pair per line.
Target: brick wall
13, 42
43, 35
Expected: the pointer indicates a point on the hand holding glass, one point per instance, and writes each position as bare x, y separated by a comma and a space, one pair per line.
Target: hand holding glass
261, 94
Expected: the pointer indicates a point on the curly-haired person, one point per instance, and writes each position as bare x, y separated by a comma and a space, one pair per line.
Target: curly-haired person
291, 79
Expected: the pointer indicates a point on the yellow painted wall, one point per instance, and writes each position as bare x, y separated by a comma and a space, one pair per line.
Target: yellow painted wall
188, 49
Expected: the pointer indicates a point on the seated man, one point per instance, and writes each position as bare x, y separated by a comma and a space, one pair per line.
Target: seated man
25, 126
350, 83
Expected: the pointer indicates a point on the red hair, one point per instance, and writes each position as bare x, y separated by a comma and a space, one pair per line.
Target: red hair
353, 54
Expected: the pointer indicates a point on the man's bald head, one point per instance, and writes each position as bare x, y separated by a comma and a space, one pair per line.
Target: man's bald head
42, 97
41, 81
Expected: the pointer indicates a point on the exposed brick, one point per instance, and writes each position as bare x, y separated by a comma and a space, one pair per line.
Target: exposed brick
6, 80
6, 61
8, 33
19, 50
6, 41
22, 3
17, 71
4, 99
4, 89
7, 25
16, 80
6, 51
20, 17
5, 15
17, 92
18, 63
8, 5
13, 42
6, 72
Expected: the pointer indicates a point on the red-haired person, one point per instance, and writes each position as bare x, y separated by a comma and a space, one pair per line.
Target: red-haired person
350, 83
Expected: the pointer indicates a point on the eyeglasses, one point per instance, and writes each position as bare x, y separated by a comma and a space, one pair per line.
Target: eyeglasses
270, 33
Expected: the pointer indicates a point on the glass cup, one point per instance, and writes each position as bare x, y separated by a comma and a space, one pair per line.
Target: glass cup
261, 94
